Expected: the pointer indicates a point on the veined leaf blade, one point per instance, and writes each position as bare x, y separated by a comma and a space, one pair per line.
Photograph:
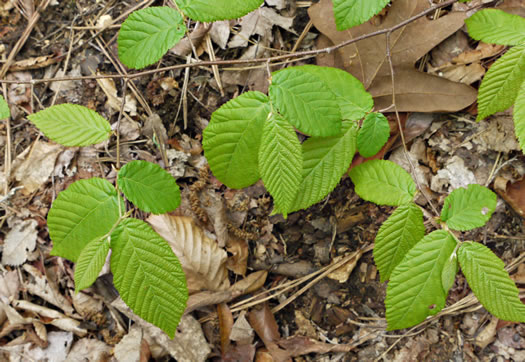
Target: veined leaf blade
519, 116
470, 208
147, 34
490, 282
280, 162
383, 182
90, 263
72, 125
349, 13
4, 109
497, 27
373, 134
149, 187
148, 275
398, 234
232, 139
415, 290
213, 10
85, 211
501, 84
306, 102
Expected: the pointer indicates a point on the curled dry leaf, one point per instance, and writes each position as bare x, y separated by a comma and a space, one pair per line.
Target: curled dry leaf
512, 193
202, 260
250, 284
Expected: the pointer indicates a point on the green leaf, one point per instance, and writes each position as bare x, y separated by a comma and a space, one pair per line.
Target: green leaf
149, 187
280, 162
325, 161
496, 26
519, 116
499, 88
148, 275
231, 140
349, 13
470, 208
85, 211
415, 290
213, 10
448, 275
383, 183
306, 102
398, 234
373, 134
72, 125
147, 35
490, 282
90, 263
4, 109
354, 101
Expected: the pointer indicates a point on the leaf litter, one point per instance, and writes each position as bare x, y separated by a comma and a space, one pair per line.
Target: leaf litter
328, 315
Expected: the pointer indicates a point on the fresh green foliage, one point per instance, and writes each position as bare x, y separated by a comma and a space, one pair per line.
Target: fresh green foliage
349, 13
503, 84
354, 101
373, 135
213, 10
85, 211
499, 88
490, 282
252, 136
147, 35
231, 141
280, 161
90, 263
383, 183
306, 102
149, 187
398, 234
448, 275
72, 125
325, 161
519, 116
415, 289
4, 109
422, 269
466, 209
89, 218
496, 26
148, 275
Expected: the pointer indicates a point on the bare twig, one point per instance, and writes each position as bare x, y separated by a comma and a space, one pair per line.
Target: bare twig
308, 53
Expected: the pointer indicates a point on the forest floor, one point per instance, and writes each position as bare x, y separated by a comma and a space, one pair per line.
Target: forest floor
305, 288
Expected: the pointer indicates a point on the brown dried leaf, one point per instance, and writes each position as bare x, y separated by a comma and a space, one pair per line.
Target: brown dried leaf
33, 167
263, 322
367, 59
225, 326
512, 193
202, 260
251, 283
238, 262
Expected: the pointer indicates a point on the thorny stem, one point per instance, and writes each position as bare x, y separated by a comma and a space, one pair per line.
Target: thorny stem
308, 53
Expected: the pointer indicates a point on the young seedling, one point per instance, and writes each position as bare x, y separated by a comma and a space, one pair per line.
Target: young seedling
89, 218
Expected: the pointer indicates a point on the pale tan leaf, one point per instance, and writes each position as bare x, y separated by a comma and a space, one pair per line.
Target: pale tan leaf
202, 260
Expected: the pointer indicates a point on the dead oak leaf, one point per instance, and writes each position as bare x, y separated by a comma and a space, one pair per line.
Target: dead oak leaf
367, 59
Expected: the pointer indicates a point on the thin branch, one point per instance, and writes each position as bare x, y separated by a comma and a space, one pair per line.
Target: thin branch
310, 53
